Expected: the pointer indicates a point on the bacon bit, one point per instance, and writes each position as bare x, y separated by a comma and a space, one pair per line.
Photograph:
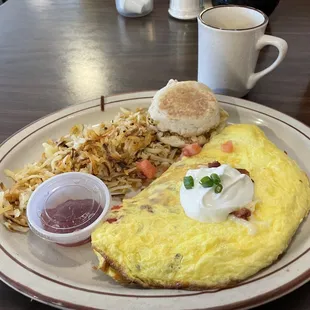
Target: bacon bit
116, 207
112, 220
146, 167
102, 103
227, 147
242, 213
214, 164
191, 149
244, 171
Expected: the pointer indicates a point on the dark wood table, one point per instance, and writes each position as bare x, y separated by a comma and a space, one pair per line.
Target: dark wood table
56, 53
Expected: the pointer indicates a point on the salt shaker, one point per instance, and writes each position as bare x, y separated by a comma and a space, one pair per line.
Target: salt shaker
134, 8
186, 9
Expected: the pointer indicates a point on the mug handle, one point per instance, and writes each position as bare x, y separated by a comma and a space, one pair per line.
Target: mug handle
280, 44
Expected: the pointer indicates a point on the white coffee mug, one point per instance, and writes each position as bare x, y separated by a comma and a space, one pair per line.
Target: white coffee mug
229, 40
185, 9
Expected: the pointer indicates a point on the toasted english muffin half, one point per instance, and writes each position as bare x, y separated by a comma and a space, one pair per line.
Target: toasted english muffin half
186, 108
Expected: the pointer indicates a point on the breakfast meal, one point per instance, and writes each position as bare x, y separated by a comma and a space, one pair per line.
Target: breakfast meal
126, 153
211, 220
201, 204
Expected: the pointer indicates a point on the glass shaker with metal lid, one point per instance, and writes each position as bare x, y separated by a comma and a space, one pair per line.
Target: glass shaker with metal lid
134, 8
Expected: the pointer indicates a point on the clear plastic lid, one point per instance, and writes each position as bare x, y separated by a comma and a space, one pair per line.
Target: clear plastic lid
67, 204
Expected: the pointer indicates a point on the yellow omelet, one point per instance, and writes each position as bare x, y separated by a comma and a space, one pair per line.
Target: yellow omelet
154, 244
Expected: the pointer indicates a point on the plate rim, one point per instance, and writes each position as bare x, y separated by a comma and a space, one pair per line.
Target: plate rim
251, 302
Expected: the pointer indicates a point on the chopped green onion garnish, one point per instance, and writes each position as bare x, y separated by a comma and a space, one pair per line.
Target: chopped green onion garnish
218, 188
206, 182
216, 179
188, 182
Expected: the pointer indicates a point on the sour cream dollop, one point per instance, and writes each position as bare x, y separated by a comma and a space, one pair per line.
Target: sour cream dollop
204, 205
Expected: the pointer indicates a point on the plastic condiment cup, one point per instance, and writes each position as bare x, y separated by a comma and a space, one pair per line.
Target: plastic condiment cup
71, 186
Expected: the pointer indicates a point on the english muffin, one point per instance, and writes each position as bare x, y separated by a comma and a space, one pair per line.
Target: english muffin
185, 112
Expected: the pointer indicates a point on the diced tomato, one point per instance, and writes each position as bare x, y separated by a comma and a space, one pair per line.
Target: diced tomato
227, 147
146, 167
116, 207
191, 149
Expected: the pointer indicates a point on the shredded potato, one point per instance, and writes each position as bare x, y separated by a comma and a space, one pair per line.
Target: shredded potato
109, 151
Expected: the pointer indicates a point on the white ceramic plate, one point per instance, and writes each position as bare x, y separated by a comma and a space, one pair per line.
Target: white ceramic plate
63, 277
